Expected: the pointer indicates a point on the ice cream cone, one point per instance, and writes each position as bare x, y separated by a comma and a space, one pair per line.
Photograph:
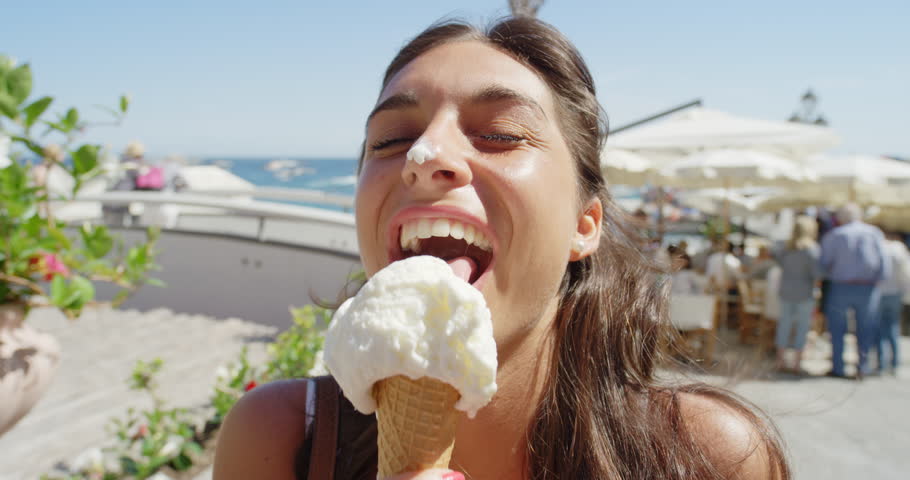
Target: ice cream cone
416, 420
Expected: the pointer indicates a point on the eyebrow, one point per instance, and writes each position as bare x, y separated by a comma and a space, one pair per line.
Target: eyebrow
489, 94
499, 93
395, 102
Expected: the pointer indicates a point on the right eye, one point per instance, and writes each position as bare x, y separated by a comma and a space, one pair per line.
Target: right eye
391, 142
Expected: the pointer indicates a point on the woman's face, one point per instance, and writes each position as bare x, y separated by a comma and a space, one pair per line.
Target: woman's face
499, 172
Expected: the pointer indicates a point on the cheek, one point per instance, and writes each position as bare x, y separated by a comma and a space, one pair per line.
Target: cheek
373, 189
546, 190
540, 197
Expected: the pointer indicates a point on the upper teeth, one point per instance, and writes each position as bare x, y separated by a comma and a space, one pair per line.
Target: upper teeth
413, 231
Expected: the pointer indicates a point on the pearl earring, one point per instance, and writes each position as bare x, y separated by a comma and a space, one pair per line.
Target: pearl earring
579, 246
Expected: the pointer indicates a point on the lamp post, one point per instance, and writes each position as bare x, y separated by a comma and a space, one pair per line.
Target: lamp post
525, 7
807, 110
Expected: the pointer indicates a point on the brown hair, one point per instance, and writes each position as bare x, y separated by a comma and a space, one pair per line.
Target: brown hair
603, 413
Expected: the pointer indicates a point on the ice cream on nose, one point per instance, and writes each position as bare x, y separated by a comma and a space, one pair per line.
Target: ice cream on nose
416, 346
423, 150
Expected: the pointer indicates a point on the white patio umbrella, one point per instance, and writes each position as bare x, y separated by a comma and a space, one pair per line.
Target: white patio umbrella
891, 196
853, 170
894, 218
699, 129
864, 179
622, 167
730, 168
713, 200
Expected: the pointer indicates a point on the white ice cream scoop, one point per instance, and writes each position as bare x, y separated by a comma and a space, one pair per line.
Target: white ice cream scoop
418, 319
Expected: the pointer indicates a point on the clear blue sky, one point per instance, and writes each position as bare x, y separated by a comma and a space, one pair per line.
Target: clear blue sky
272, 78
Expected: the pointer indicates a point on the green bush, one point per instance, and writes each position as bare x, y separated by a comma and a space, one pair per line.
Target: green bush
147, 440
298, 350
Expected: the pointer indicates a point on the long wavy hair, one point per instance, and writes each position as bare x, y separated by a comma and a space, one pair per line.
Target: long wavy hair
603, 413
805, 231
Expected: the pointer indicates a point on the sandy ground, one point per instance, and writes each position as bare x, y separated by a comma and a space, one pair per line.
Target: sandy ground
99, 352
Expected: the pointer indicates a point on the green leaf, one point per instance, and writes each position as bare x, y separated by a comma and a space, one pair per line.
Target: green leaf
155, 282
85, 159
121, 297
59, 291
97, 240
71, 118
84, 289
8, 105
6, 64
34, 147
124, 103
36, 109
19, 83
33, 225
61, 237
129, 465
4, 291
137, 258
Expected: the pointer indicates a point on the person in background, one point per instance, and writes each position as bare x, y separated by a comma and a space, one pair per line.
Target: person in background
173, 181
123, 178
739, 251
853, 257
700, 258
893, 288
799, 273
904, 327
642, 222
684, 279
723, 268
723, 271
758, 269
683, 247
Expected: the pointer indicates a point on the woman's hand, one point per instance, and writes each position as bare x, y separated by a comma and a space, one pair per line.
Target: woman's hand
434, 474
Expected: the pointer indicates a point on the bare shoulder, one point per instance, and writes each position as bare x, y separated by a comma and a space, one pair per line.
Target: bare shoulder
737, 442
260, 436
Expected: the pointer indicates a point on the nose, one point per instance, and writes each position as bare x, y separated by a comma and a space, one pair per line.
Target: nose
447, 169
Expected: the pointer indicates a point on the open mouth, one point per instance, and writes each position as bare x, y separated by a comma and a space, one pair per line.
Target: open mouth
465, 248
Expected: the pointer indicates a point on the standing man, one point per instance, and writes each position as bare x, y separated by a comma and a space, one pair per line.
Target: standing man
853, 258
893, 288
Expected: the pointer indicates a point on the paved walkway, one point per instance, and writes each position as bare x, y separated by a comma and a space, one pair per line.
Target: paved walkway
834, 429
99, 352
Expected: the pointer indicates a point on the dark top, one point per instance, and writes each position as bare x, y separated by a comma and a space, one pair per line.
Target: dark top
356, 456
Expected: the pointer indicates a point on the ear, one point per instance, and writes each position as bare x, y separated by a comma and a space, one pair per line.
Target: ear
587, 231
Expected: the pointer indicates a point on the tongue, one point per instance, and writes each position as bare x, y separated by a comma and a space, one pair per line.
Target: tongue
463, 267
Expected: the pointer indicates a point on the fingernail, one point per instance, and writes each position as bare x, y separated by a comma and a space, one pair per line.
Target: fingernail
453, 476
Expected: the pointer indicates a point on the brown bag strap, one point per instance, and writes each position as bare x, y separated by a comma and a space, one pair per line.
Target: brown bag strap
325, 430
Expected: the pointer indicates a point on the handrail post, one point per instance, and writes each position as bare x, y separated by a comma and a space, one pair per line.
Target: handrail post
260, 234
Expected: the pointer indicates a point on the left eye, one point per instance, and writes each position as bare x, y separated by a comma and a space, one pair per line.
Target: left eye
501, 138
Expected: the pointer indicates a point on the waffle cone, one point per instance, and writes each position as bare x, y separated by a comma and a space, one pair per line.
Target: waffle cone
416, 420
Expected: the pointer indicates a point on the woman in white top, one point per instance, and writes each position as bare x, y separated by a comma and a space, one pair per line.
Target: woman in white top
685, 280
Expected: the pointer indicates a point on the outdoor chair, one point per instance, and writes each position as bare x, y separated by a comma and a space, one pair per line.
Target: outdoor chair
751, 314
696, 319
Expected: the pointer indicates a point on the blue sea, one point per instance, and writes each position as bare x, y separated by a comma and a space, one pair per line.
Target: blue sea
331, 175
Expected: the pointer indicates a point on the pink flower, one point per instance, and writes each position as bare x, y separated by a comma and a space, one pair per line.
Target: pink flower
138, 431
251, 385
53, 266
48, 264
